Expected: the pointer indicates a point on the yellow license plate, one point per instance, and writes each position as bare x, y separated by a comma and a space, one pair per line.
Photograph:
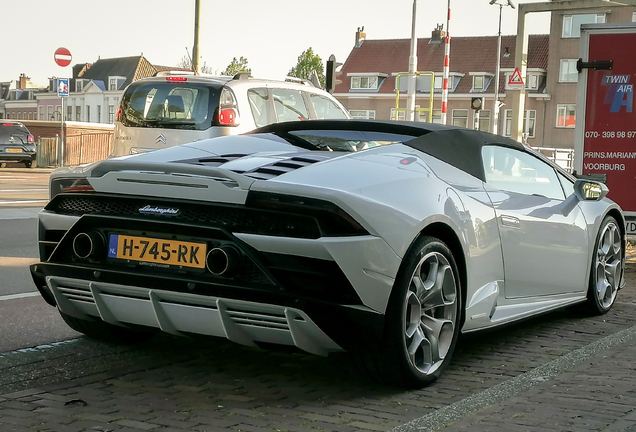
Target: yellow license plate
158, 251
14, 150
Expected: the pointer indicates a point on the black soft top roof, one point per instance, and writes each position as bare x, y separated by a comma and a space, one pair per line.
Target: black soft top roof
454, 145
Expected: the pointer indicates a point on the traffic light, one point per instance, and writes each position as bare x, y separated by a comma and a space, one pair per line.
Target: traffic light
477, 103
332, 74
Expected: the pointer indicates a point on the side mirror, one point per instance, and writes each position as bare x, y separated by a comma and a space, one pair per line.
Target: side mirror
590, 190
584, 190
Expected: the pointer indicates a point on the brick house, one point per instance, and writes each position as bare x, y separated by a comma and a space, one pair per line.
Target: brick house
95, 89
369, 78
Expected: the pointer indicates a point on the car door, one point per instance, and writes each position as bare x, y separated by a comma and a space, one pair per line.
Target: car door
544, 250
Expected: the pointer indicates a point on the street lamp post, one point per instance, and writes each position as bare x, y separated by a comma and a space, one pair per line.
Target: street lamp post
496, 104
412, 82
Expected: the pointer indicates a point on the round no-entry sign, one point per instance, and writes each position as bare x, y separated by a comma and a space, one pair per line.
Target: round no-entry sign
62, 57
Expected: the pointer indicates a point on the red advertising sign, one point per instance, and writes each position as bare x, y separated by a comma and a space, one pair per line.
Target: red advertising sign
62, 57
609, 145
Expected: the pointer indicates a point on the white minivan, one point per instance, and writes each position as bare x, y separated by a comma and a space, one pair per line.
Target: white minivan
170, 109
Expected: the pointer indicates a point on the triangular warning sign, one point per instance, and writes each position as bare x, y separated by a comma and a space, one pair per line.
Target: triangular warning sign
515, 78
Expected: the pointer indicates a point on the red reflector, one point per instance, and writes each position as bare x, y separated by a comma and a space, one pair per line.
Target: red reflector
173, 78
228, 116
30, 138
118, 114
7, 124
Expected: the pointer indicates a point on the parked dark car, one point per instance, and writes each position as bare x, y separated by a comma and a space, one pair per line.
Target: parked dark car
16, 144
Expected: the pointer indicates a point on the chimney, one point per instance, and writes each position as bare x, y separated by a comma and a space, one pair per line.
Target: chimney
22, 84
360, 36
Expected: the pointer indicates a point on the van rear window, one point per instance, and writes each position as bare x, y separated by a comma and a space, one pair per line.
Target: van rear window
189, 106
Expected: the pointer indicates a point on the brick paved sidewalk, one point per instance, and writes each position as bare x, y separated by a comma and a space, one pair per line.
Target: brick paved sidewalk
559, 372
599, 394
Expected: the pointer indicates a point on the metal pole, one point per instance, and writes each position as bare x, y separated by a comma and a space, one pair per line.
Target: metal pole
495, 105
410, 105
62, 140
195, 49
446, 68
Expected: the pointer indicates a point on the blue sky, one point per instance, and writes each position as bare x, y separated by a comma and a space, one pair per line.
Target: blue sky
270, 34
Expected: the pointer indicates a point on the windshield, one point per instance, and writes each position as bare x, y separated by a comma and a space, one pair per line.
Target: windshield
170, 105
343, 141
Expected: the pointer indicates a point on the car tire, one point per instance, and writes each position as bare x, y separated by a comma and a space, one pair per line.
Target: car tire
104, 331
29, 164
422, 319
606, 272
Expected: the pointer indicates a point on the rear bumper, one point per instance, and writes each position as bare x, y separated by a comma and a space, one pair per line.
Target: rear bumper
313, 326
17, 157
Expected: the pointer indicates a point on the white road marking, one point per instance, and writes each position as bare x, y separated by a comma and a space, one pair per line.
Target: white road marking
23, 202
19, 296
22, 190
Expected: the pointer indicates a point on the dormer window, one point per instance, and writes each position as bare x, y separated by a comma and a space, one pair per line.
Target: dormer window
478, 82
481, 81
364, 82
79, 85
115, 82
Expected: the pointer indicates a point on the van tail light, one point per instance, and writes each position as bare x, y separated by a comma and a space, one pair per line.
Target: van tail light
118, 114
228, 112
30, 138
228, 117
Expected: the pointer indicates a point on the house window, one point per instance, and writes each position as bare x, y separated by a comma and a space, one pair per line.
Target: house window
69, 112
568, 72
572, 23
112, 84
401, 114
99, 113
484, 120
633, 16
478, 83
19, 116
40, 113
566, 115
79, 85
78, 113
364, 82
529, 123
49, 112
532, 81
88, 113
460, 117
439, 82
111, 114
362, 114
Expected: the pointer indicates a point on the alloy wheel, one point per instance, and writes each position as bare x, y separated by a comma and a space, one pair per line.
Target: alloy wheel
430, 313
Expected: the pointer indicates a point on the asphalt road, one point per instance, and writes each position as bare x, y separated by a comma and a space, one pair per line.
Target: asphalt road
25, 319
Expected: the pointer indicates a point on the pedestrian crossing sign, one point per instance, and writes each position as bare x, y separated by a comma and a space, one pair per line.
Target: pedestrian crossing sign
515, 80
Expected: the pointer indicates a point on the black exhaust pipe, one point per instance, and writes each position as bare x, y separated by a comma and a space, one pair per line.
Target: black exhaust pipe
223, 261
86, 245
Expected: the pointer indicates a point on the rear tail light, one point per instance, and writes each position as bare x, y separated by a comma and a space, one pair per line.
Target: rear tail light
65, 185
174, 78
228, 112
30, 138
228, 117
118, 114
333, 220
